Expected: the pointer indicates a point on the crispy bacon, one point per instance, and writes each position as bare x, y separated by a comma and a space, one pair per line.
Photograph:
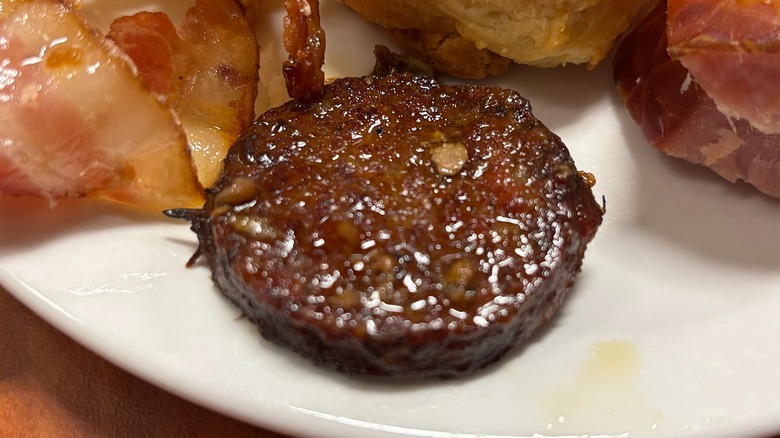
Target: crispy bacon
304, 40
678, 114
75, 119
207, 69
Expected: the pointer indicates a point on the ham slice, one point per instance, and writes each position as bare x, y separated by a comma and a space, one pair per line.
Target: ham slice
732, 48
722, 112
76, 120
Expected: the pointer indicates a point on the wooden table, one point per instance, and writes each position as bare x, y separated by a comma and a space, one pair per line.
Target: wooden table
52, 387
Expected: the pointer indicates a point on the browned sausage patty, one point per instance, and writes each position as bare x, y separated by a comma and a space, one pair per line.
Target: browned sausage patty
398, 226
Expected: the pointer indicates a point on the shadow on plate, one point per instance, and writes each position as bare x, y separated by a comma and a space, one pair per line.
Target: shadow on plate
26, 222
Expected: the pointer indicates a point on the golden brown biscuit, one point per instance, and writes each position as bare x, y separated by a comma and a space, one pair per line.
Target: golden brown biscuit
469, 38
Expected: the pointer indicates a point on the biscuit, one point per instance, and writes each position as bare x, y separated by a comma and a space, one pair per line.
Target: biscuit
469, 38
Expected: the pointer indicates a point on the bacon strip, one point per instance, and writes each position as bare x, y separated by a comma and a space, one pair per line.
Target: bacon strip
304, 40
207, 69
75, 119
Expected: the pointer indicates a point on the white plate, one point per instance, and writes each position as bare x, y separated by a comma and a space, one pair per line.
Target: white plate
672, 328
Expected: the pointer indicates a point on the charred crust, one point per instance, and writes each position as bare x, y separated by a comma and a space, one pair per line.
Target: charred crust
183, 213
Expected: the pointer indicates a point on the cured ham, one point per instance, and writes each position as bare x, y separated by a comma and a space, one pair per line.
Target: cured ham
207, 69
710, 92
76, 120
732, 48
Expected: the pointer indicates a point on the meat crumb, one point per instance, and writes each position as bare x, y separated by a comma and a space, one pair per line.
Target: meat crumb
449, 158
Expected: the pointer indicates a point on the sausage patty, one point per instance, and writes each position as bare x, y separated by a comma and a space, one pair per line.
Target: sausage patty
398, 226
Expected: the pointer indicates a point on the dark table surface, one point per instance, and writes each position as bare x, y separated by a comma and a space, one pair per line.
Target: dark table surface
50, 386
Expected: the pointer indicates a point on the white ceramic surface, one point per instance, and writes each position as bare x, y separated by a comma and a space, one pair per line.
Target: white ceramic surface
672, 328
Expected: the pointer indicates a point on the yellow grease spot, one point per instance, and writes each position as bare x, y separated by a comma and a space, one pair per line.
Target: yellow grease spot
63, 57
605, 394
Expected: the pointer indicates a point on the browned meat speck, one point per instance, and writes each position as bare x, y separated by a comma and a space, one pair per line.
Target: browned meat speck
388, 62
398, 226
